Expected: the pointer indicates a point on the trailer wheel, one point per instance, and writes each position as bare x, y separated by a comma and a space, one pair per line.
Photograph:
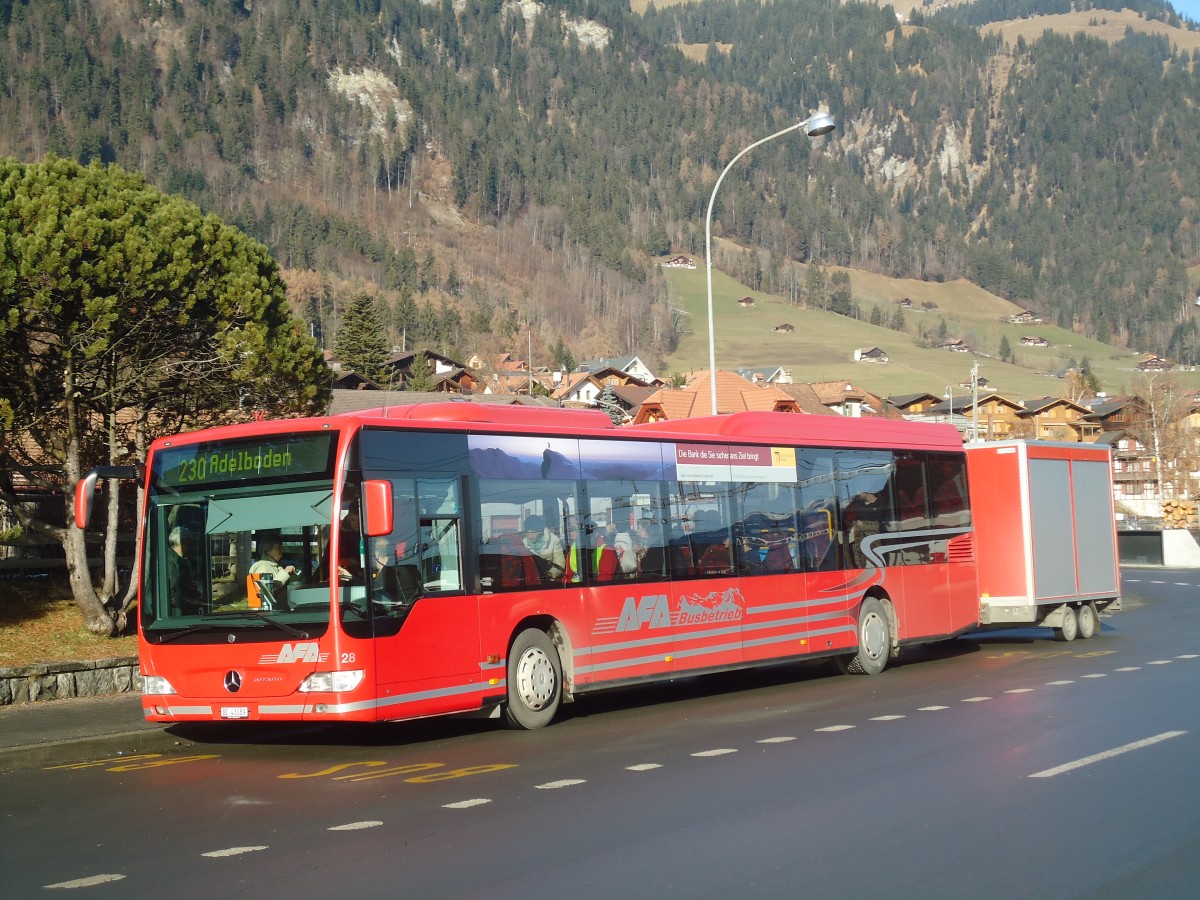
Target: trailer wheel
534, 681
874, 641
1089, 621
1069, 629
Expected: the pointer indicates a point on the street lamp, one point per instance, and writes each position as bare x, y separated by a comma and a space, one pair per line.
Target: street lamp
817, 124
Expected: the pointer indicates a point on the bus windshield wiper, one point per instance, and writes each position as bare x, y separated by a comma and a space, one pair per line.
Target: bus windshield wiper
250, 615
246, 618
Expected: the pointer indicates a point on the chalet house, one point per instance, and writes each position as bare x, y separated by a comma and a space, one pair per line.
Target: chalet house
904, 303
870, 355
746, 302
1034, 342
1025, 317
680, 262
1135, 479
1152, 363
766, 375
913, 404
850, 400
1117, 413
630, 365
583, 388
1058, 419
955, 346
785, 328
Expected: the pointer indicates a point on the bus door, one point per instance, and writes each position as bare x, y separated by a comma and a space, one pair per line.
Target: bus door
706, 594
824, 607
424, 623
619, 561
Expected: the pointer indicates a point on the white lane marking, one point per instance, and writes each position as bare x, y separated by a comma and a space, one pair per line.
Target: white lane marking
233, 851
466, 804
1157, 582
644, 767
1187, 655
1159, 662
90, 881
975, 699
835, 728
562, 783
355, 826
931, 708
1182, 584
775, 740
886, 718
1019, 691
721, 752
1095, 675
1065, 681
1130, 669
1107, 754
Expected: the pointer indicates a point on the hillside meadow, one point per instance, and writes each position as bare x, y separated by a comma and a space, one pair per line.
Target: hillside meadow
822, 346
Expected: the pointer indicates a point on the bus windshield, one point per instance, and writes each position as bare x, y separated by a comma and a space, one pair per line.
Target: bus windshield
253, 558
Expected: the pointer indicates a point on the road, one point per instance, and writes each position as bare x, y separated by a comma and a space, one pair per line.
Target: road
1003, 765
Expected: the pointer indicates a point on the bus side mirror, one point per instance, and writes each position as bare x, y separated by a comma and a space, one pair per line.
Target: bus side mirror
85, 490
378, 496
85, 495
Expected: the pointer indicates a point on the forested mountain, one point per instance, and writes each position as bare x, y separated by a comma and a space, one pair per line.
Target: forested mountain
488, 166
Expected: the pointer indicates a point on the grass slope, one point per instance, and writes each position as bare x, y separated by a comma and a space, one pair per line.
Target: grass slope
822, 346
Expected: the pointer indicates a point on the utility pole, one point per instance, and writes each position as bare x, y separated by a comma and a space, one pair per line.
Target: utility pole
975, 401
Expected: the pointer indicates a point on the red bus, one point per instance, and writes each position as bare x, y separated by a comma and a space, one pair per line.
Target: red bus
459, 557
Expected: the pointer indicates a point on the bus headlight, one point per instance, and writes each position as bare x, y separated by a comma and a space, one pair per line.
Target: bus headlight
324, 682
156, 684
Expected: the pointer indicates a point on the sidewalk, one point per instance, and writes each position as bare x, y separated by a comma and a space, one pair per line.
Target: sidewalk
61, 731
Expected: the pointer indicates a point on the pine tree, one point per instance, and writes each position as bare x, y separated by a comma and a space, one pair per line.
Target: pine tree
1005, 349
420, 378
360, 343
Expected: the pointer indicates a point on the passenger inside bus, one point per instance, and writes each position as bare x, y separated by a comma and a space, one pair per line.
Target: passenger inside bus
183, 592
546, 548
395, 572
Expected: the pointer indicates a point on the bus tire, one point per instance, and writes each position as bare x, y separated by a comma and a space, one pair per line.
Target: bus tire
534, 681
1069, 629
1089, 621
874, 640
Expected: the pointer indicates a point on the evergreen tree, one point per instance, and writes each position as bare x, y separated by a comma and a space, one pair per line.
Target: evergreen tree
126, 314
1005, 349
420, 376
360, 342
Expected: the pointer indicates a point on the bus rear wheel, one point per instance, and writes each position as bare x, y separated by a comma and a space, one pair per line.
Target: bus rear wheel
874, 641
534, 681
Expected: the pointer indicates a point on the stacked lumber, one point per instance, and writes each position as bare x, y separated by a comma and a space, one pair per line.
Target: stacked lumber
1179, 513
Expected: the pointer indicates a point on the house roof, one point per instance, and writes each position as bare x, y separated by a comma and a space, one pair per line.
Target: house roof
734, 394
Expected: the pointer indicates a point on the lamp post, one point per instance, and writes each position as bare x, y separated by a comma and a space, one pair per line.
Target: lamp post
817, 124
948, 395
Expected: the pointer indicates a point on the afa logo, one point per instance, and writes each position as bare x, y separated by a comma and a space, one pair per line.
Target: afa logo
652, 610
303, 651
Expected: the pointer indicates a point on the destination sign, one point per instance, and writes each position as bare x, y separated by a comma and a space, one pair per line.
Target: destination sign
279, 456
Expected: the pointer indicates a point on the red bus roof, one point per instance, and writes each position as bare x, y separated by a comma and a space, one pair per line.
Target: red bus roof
744, 427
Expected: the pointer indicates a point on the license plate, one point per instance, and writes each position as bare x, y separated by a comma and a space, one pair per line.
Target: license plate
235, 712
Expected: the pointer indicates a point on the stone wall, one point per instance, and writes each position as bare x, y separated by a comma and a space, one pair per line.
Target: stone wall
63, 680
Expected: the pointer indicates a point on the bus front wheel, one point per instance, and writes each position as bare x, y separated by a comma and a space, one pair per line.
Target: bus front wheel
534, 681
874, 641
